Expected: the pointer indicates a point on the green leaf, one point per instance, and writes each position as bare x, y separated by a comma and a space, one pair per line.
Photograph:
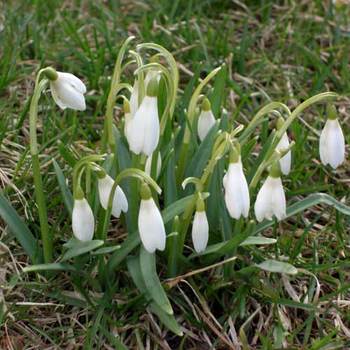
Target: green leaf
277, 266
65, 191
258, 240
77, 248
50, 267
133, 239
217, 95
168, 320
153, 285
19, 229
106, 250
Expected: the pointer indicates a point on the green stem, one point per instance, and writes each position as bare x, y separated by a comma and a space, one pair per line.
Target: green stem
46, 237
312, 100
112, 97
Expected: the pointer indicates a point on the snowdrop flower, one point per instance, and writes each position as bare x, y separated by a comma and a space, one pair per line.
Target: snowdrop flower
120, 203
83, 222
150, 222
206, 119
150, 75
332, 144
143, 129
236, 188
200, 228
148, 165
283, 144
271, 199
67, 90
134, 98
128, 118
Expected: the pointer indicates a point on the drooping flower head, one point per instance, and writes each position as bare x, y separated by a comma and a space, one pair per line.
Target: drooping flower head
283, 144
119, 203
200, 227
150, 222
143, 129
332, 143
206, 119
67, 90
271, 200
83, 221
236, 188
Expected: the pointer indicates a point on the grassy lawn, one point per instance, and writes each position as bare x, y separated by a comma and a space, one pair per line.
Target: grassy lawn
284, 51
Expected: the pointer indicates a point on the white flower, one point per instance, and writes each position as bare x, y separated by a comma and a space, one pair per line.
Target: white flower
83, 221
148, 165
128, 118
143, 128
236, 191
68, 91
206, 121
119, 203
134, 98
200, 231
332, 144
271, 200
286, 160
151, 226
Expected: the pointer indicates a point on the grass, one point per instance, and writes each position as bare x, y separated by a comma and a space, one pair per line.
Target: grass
286, 52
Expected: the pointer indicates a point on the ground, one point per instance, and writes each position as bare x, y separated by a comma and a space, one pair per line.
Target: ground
285, 51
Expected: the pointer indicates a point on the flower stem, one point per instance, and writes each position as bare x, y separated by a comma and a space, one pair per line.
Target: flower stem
46, 236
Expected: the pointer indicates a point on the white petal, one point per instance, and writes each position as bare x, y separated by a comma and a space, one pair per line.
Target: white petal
128, 118
56, 97
263, 203
150, 75
332, 144
72, 80
151, 226
206, 121
68, 95
83, 221
285, 161
119, 200
120, 203
236, 191
200, 231
134, 98
151, 125
278, 199
148, 165
136, 134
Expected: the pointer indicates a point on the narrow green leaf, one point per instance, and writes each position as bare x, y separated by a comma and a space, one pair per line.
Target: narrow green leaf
19, 229
65, 191
258, 240
152, 282
277, 266
168, 320
78, 248
50, 267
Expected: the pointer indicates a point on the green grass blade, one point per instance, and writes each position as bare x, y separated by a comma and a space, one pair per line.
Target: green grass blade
19, 229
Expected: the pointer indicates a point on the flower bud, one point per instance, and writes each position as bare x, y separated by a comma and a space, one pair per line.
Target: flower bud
236, 190
83, 222
150, 222
67, 91
206, 119
200, 228
332, 143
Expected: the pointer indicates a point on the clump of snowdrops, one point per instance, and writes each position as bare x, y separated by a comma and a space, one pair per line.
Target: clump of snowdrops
175, 177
